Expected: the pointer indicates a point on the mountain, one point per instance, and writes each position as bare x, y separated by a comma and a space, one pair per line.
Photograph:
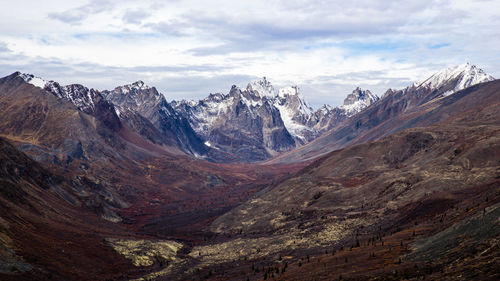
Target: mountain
384, 117
243, 123
262, 88
87, 100
51, 226
53, 129
70, 185
145, 110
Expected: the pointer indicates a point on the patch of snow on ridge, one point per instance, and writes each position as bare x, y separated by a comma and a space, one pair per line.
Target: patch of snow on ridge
33, 80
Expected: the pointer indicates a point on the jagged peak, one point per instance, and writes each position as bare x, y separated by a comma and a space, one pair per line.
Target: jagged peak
358, 100
359, 94
137, 85
262, 87
140, 85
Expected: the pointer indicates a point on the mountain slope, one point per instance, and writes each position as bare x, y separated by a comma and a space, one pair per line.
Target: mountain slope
87, 100
48, 229
54, 129
461, 149
441, 179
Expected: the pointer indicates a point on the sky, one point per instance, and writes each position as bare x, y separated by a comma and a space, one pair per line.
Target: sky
188, 49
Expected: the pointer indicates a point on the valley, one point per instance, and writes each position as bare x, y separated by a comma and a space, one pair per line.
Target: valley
251, 185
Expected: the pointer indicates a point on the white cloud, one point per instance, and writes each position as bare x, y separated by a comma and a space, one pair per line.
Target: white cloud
327, 47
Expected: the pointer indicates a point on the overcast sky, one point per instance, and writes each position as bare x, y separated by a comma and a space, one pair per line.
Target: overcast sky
188, 49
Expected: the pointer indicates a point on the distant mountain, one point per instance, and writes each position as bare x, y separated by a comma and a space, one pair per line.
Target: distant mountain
256, 123
328, 117
384, 116
244, 123
454, 79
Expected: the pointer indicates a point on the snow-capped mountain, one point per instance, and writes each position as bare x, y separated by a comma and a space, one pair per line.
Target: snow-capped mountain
262, 121
243, 123
461, 76
33, 80
137, 97
147, 111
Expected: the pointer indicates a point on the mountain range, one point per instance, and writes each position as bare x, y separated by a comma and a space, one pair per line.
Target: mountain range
246, 125
254, 184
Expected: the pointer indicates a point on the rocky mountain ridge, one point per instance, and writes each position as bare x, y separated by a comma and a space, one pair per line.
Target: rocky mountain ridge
252, 114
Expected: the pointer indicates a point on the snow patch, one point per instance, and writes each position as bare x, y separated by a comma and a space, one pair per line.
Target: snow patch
33, 80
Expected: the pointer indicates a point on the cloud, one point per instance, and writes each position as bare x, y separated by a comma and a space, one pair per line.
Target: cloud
3, 48
135, 16
79, 14
173, 28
